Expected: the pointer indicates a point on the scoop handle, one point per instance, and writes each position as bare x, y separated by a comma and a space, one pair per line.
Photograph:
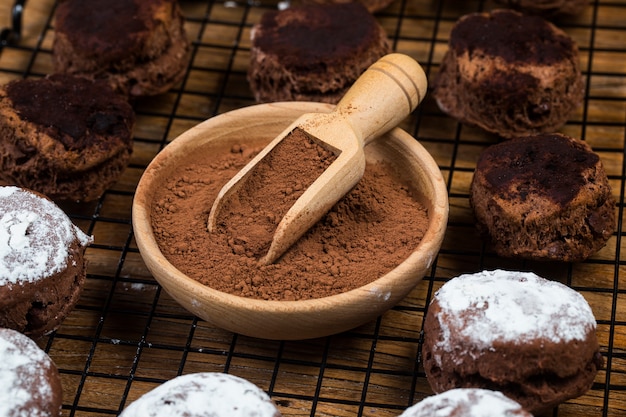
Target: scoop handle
383, 96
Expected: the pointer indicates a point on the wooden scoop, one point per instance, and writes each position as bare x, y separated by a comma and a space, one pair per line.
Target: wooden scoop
386, 93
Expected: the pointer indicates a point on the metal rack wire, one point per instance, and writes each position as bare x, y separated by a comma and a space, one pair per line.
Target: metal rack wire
127, 335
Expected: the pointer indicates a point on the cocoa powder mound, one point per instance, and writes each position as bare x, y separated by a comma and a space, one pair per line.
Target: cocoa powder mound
365, 235
250, 216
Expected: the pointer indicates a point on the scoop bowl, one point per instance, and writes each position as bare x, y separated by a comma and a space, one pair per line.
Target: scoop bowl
290, 320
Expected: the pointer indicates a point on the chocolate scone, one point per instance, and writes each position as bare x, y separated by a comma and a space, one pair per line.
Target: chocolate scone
548, 8
509, 74
42, 264
543, 197
67, 137
466, 402
139, 46
311, 53
530, 338
31, 385
204, 394
372, 6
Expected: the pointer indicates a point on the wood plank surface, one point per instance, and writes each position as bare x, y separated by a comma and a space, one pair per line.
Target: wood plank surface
127, 335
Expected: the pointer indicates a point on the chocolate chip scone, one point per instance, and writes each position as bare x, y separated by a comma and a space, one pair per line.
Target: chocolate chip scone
543, 197
530, 338
311, 53
140, 47
509, 74
66, 137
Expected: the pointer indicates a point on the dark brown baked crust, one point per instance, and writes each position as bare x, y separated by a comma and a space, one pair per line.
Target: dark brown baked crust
372, 6
140, 47
548, 8
36, 297
309, 53
544, 197
510, 74
30, 371
64, 136
534, 370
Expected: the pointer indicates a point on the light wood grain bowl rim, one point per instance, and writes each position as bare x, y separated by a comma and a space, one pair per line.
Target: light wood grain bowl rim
287, 319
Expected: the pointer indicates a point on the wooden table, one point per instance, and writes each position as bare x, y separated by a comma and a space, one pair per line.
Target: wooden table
127, 335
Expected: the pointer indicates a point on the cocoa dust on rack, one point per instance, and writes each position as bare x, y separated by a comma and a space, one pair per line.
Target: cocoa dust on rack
366, 234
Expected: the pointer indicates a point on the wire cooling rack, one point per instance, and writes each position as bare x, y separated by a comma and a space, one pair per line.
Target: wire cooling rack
126, 335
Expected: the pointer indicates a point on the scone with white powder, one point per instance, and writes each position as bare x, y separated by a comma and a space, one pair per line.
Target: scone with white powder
204, 394
466, 402
530, 338
42, 263
31, 385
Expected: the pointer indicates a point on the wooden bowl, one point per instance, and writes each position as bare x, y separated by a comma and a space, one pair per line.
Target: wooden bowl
290, 319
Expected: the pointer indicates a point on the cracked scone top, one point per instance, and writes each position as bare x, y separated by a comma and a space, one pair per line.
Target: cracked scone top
204, 394
42, 264
515, 332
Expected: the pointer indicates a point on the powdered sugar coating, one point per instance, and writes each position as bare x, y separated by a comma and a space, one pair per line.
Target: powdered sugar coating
34, 236
24, 369
204, 394
511, 306
474, 402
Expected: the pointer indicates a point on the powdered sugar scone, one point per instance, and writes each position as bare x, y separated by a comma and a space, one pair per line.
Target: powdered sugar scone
510, 74
467, 402
42, 264
31, 385
530, 338
204, 394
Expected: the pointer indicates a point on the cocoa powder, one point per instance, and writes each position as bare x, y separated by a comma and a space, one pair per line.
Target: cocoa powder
249, 217
365, 235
